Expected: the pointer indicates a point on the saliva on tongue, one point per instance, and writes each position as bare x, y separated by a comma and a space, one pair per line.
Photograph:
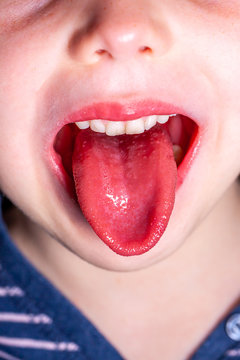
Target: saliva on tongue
125, 186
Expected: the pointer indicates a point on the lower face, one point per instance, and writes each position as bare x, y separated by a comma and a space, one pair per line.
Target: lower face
120, 201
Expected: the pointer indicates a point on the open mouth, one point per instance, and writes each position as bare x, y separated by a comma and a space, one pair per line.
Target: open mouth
124, 174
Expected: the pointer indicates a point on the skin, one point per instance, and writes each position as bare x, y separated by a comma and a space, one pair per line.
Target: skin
49, 66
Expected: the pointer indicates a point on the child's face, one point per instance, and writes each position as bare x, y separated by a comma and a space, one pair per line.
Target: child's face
59, 56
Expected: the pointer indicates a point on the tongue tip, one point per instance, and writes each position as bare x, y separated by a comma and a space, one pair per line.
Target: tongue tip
128, 250
136, 247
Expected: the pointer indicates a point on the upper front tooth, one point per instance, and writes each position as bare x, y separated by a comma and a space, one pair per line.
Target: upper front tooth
98, 126
83, 124
150, 121
112, 128
162, 119
115, 128
135, 126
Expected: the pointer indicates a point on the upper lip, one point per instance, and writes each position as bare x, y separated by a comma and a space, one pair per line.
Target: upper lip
115, 111
122, 110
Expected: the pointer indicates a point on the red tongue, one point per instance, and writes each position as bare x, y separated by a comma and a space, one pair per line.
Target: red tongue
126, 186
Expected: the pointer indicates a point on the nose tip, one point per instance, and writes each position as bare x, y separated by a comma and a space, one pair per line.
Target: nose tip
120, 38
123, 42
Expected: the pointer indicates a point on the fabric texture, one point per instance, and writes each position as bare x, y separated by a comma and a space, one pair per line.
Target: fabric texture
38, 323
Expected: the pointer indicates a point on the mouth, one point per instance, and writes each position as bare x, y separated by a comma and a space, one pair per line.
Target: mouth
123, 169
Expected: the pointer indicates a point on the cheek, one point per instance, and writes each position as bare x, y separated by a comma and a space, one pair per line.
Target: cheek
212, 44
30, 57
27, 62
26, 65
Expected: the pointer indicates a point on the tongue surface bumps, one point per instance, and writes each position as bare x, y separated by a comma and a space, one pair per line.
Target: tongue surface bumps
126, 186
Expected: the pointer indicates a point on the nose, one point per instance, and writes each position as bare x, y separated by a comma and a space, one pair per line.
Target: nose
121, 30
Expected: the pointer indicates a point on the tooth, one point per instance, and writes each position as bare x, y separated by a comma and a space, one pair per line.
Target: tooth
162, 119
135, 126
115, 128
150, 121
98, 126
82, 124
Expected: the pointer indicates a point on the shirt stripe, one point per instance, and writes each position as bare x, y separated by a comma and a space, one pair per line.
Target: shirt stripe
38, 344
6, 356
25, 318
11, 291
233, 353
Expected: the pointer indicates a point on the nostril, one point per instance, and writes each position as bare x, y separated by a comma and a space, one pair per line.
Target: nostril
103, 52
145, 50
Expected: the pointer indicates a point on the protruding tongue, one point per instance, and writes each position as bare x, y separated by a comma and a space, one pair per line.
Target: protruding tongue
126, 186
